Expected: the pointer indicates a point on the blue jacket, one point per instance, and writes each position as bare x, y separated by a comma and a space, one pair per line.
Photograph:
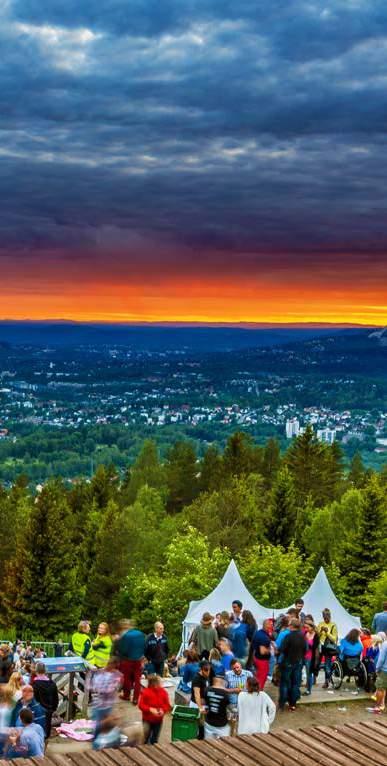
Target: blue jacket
131, 645
350, 650
37, 710
239, 640
381, 665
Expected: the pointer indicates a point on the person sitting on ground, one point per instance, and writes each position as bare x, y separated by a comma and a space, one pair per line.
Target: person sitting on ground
28, 701
154, 704
216, 720
102, 645
204, 637
15, 685
379, 622
351, 648
328, 634
381, 679
46, 694
256, 710
156, 648
236, 679
217, 669
226, 655
28, 742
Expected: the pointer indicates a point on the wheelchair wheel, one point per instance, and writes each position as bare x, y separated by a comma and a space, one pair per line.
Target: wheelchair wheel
337, 674
361, 676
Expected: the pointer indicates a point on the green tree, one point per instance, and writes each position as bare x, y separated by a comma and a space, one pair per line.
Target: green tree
240, 456
111, 564
211, 470
305, 460
190, 571
146, 471
43, 594
181, 473
282, 510
271, 461
274, 576
357, 472
331, 530
231, 515
367, 553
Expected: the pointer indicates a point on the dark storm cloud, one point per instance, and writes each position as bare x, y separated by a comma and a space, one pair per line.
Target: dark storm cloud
237, 127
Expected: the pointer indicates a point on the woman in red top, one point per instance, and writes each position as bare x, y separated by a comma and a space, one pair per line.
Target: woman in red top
153, 703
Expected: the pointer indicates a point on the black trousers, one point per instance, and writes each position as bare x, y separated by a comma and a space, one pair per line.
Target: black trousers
151, 732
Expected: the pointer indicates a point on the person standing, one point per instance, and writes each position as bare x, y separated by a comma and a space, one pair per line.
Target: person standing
381, 679
46, 694
260, 649
256, 710
154, 704
102, 645
379, 622
130, 649
236, 680
156, 649
327, 631
198, 691
81, 642
293, 650
312, 653
237, 608
204, 637
299, 606
216, 720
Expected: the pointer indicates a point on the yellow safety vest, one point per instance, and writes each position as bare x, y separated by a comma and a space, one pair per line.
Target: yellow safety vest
102, 653
78, 641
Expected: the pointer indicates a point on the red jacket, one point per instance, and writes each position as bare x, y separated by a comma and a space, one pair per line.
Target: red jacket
155, 697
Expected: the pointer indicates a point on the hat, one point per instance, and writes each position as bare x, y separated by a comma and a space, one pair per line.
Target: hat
207, 618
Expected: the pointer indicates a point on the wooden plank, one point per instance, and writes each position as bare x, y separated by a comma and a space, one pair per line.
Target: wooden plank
194, 751
209, 755
179, 755
124, 756
285, 737
337, 741
369, 740
262, 751
237, 751
158, 755
283, 748
310, 738
372, 731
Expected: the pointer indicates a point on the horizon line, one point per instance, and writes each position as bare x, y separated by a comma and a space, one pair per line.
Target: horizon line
242, 324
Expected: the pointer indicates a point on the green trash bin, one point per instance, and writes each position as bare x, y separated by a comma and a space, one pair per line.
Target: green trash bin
185, 722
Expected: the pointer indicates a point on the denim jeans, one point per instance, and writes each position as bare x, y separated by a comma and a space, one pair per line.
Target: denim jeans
291, 675
309, 675
328, 665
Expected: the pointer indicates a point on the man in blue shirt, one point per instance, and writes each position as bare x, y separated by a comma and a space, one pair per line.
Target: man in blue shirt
28, 742
236, 679
379, 623
381, 679
130, 649
29, 702
261, 646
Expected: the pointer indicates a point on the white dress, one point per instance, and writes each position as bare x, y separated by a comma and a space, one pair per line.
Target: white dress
256, 712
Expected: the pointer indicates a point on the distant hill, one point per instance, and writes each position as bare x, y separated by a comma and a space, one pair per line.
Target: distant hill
159, 337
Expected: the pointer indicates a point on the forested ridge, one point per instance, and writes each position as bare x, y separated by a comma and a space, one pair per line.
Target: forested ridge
147, 544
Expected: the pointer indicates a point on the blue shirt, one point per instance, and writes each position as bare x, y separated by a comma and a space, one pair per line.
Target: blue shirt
281, 636
261, 638
31, 743
190, 670
233, 681
226, 659
381, 665
239, 640
379, 623
38, 711
350, 650
131, 645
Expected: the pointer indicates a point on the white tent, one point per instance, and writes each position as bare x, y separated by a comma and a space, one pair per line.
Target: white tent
321, 596
229, 588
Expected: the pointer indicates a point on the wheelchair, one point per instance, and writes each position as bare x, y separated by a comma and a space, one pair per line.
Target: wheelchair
349, 667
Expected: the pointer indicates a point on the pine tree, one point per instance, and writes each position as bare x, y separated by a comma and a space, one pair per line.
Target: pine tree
271, 461
181, 473
305, 460
211, 470
146, 471
357, 472
111, 565
282, 510
43, 574
367, 553
240, 457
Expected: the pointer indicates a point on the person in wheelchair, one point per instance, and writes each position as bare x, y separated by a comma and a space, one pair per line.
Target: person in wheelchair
351, 650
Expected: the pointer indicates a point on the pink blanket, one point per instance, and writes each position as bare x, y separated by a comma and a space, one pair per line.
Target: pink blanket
81, 729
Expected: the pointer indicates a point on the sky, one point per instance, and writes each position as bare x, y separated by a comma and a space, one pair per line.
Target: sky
193, 160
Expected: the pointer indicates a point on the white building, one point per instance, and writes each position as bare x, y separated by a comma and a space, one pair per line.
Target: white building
292, 428
327, 435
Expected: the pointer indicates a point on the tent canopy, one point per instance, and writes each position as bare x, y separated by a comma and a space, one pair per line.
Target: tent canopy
321, 596
318, 597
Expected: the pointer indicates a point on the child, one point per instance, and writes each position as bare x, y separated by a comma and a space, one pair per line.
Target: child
153, 703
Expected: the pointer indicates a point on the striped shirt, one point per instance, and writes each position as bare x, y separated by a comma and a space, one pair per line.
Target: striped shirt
236, 681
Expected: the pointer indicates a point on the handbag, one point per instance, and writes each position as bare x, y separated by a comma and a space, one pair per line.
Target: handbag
329, 648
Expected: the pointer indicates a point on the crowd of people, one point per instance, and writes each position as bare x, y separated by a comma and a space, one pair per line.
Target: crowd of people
223, 673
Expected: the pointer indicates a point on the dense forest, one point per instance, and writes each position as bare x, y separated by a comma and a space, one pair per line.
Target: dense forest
146, 544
